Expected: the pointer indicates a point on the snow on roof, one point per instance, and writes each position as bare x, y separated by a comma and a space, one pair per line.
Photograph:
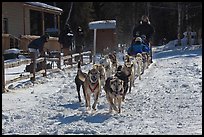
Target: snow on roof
103, 24
43, 5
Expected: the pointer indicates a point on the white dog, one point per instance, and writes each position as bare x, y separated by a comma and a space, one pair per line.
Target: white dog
106, 62
139, 64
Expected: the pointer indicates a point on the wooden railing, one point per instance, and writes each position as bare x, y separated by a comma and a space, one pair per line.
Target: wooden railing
33, 73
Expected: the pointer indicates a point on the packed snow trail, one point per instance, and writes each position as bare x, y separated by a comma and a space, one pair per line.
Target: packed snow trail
168, 100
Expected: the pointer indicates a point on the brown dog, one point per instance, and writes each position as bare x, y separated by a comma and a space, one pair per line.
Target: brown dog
92, 85
114, 93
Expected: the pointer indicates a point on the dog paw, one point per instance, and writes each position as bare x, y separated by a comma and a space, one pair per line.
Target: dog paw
88, 109
110, 111
116, 109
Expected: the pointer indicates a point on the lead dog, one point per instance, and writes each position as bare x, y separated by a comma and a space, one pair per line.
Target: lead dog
114, 93
92, 85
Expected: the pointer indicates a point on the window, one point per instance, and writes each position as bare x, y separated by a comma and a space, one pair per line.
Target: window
5, 25
35, 23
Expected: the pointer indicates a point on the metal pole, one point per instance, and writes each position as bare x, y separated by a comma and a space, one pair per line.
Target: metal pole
94, 54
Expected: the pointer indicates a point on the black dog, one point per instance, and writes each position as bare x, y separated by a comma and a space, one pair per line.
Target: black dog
122, 76
79, 83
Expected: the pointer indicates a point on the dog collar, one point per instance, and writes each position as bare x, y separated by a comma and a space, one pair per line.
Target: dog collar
95, 86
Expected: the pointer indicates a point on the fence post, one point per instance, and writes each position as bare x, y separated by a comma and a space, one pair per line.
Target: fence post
59, 62
3, 75
70, 60
81, 58
32, 67
90, 57
44, 66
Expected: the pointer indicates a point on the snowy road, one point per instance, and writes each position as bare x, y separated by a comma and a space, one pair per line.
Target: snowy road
168, 100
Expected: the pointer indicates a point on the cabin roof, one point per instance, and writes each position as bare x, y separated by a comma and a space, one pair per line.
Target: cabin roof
103, 24
45, 6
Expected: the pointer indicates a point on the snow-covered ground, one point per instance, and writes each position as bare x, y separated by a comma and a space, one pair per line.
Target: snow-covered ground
168, 100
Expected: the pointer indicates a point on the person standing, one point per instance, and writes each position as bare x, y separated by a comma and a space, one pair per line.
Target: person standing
37, 46
79, 40
144, 28
66, 39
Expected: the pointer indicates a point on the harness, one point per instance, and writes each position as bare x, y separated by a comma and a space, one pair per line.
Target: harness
95, 86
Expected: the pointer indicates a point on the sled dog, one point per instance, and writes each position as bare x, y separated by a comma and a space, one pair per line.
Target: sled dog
92, 85
114, 93
102, 72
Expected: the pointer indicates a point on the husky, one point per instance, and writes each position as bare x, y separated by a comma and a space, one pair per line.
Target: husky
91, 85
114, 93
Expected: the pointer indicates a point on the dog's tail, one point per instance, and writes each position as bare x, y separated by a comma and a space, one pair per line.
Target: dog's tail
79, 65
81, 75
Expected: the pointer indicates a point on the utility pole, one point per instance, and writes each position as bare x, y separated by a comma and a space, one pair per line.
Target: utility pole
179, 25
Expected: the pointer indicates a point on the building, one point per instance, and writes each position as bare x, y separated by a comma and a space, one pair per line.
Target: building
28, 19
105, 35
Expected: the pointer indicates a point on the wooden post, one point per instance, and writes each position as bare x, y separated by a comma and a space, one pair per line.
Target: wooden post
44, 66
70, 60
59, 61
3, 75
81, 57
90, 57
33, 60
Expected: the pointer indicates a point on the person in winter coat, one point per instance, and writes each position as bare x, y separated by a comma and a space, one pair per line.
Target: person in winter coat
137, 47
79, 40
144, 28
66, 39
37, 46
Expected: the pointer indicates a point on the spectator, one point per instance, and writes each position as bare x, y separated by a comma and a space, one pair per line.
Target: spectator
79, 40
66, 39
37, 46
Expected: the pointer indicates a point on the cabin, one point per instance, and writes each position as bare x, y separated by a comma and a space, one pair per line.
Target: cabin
24, 21
105, 35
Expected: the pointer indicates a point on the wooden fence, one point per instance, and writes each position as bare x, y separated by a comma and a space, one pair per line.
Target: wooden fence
69, 60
